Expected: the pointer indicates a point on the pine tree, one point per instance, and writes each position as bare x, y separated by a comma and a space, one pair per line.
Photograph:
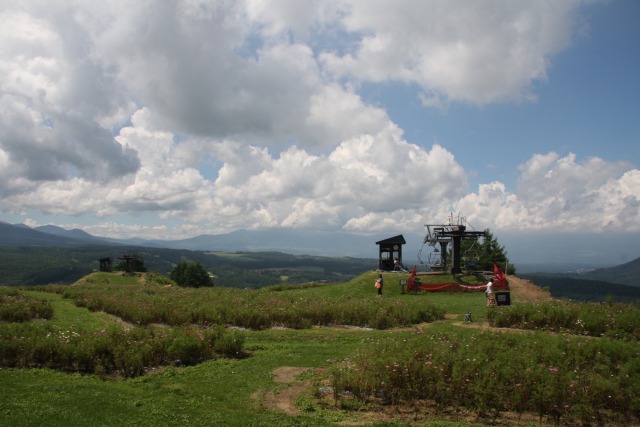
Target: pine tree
192, 275
486, 252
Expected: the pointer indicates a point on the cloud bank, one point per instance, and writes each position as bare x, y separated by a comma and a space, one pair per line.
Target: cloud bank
223, 115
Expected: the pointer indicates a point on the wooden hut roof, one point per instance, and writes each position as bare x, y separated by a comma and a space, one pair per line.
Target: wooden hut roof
391, 240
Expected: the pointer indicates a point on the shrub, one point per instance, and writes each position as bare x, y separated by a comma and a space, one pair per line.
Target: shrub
144, 305
113, 350
191, 275
618, 321
490, 373
15, 306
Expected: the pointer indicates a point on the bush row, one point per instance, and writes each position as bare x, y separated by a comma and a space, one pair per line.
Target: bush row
150, 304
113, 350
577, 380
618, 321
15, 306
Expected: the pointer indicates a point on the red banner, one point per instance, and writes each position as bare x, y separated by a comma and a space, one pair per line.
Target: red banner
411, 282
446, 287
501, 281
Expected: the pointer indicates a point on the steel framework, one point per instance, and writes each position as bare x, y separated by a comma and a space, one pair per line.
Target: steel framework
453, 232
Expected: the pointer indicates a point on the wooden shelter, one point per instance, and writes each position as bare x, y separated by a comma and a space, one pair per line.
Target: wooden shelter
390, 250
132, 263
106, 264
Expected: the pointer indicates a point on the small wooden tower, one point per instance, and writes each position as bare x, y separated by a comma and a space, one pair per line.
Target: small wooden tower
106, 264
390, 250
131, 262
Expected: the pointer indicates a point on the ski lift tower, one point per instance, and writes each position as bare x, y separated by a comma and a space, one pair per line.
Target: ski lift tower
453, 233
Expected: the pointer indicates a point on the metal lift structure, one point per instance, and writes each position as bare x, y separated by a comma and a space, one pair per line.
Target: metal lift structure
453, 232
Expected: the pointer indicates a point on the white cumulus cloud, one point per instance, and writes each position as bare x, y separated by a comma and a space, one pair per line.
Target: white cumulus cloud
477, 52
217, 115
561, 194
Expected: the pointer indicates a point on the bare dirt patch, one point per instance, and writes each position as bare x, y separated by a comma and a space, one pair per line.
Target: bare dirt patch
117, 319
287, 374
290, 387
487, 326
284, 398
527, 291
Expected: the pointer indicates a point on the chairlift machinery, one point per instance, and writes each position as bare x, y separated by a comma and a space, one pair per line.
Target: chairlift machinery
453, 232
471, 257
435, 260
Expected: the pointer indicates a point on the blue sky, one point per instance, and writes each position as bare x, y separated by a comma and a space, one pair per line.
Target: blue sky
588, 105
178, 118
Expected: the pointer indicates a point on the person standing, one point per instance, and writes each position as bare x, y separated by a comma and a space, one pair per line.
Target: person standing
379, 284
489, 293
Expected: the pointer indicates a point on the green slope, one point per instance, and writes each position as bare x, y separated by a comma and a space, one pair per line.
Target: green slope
248, 392
624, 274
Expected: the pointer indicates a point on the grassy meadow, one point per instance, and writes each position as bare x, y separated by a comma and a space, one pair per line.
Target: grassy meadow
139, 351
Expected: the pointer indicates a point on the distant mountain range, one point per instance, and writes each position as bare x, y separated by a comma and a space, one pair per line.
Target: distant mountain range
73, 234
582, 289
527, 254
22, 235
295, 242
624, 274
621, 282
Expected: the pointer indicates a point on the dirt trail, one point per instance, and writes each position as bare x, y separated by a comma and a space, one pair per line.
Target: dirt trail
521, 291
284, 398
290, 387
526, 291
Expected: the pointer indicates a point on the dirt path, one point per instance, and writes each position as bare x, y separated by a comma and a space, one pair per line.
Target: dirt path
290, 387
522, 290
525, 290
414, 412
283, 399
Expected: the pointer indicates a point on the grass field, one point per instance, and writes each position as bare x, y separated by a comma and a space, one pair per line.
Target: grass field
285, 378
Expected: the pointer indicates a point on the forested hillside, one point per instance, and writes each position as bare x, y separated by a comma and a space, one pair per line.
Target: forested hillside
582, 289
36, 265
624, 274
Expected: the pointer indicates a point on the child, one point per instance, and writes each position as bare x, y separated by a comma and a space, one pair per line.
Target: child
379, 284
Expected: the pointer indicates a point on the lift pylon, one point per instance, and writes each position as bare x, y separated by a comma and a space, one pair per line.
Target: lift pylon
454, 233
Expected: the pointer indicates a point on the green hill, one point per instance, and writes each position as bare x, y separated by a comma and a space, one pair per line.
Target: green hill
581, 289
624, 274
40, 265
114, 349
621, 283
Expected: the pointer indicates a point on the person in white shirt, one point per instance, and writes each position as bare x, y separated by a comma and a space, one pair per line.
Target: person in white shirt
489, 293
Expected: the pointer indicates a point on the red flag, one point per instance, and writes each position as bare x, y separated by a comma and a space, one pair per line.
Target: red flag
411, 282
500, 279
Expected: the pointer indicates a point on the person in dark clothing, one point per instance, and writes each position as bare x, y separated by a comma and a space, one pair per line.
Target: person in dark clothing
379, 284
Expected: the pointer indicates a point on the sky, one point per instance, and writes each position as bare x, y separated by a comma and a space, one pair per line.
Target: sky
174, 118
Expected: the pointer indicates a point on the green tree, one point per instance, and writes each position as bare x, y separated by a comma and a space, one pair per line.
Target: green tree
485, 252
192, 275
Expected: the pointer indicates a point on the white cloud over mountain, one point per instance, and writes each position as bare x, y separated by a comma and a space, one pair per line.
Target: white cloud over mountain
249, 114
